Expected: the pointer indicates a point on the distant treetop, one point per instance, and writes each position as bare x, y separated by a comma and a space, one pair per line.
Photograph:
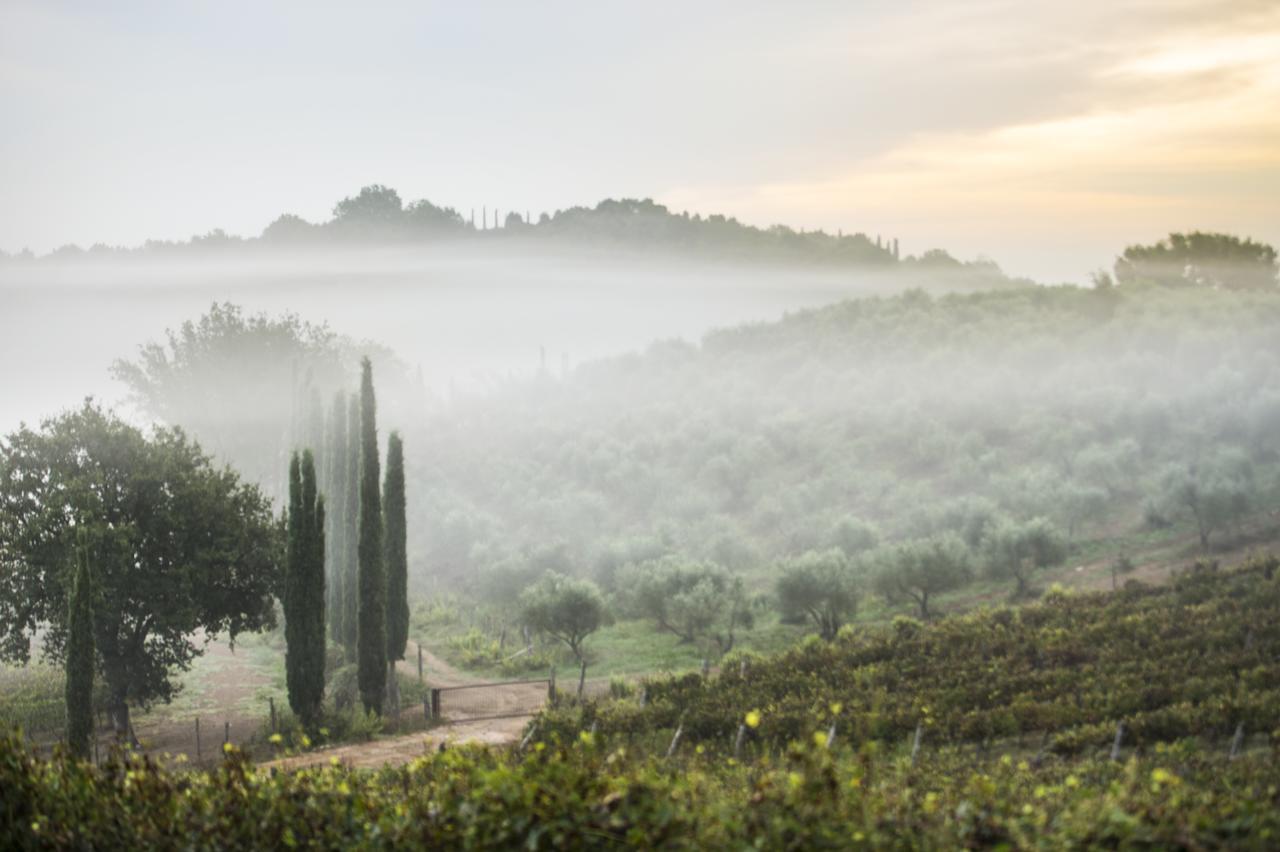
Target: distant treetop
1200, 259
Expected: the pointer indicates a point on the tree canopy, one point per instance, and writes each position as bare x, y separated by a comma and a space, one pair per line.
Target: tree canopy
1203, 259
818, 586
564, 608
178, 547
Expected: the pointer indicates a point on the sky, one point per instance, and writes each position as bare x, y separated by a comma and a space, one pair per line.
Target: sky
1045, 135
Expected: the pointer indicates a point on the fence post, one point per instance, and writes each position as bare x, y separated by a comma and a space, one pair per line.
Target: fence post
915, 745
435, 703
198, 755
226, 732
831, 734
675, 739
1115, 746
737, 741
582, 679
272, 701
419, 664
1237, 741
551, 687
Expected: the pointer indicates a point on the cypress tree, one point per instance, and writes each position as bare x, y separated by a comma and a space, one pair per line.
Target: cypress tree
350, 531
335, 558
396, 558
371, 651
80, 659
304, 592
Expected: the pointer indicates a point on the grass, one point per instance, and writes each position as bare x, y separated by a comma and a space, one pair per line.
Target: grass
633, 647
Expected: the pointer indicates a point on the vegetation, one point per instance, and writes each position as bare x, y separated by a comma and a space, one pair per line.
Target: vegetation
81, 659
1193, 659
1200, 260
564, 608
925, 425
371, 613
304, 591
335, 537
177, 545
593, 792
396, 559
820, 588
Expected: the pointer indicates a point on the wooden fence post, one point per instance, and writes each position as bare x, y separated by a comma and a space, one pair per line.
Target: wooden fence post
915, 745
419, 664
435, 703
831, 734
272, 701
1237, 741
226, 732
1115, 746
551, 687
675, 739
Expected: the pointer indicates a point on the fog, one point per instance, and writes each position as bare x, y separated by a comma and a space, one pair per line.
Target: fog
467, 318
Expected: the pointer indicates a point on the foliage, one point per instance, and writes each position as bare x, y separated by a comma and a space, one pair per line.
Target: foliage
1195, 658
177, 546
335, 537
920, 569
1200, 259
1215, 493
232, 381
589, 793
565, 608
81, 658
820, 587
371, 613
693, 600
396, 559
351, 531
304, 592
917, 415
1016, 551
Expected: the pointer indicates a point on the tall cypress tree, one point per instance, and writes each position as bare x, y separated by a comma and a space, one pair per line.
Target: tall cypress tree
395, 554
371, 651
335, 552
350, 532
304, 592
80, 658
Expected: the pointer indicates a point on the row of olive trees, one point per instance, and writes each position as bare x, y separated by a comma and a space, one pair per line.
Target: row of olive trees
703, 602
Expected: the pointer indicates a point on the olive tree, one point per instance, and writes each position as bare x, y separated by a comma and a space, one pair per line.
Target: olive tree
919, 570
819, 587
565, 608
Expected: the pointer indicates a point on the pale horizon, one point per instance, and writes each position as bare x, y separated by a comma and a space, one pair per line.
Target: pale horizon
1047, 140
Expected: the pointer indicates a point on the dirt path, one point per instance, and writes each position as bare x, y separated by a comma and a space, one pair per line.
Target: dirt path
394, 751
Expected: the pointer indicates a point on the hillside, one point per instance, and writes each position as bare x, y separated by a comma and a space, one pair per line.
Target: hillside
1110, 413
1196, 658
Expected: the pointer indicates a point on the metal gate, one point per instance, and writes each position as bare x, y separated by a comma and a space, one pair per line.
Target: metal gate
500, 700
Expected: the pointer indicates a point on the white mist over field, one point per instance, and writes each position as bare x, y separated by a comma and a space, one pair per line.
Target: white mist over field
467, 320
